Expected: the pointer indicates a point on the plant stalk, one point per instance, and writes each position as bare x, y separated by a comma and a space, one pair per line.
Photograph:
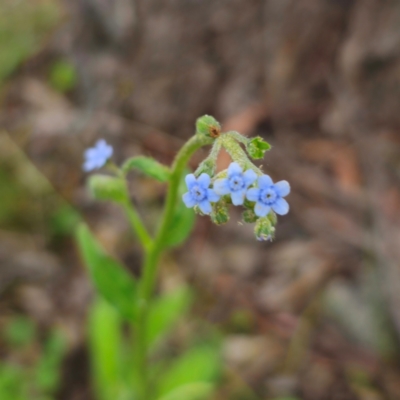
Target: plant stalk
152, 257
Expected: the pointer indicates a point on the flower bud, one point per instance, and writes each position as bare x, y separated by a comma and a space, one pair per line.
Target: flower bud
264, 229
249, 216
208, 126
256, 147
219, 214
109, 188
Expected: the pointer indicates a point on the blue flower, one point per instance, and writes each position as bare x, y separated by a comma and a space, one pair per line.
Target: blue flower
269, 195
97, 156
236, 183
199, 193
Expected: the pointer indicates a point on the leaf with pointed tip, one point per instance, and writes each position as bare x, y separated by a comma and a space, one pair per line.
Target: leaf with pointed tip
111, 279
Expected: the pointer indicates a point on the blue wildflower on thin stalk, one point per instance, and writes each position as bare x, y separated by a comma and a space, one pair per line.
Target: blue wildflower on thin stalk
97, 156
236, 183
199, 193
269, 195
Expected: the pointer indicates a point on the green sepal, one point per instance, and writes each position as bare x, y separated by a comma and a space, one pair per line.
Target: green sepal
264, 229
107, 188
208, 126
219, 214
272, 217
110, 278
256, 147
148, 166
249, 216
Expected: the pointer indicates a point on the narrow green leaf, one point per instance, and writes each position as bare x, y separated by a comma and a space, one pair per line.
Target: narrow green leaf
165, 311
111, 279
108, 188
104, 343
200, 364
193, 391
183, 220
147, 166
48, 369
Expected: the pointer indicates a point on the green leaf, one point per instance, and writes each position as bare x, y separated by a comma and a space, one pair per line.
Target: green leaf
256, 147
104, 343
165, 311
109, 188
182, 221
147, 166
20, 331
193, 391
48, 369
201, 364
111, 279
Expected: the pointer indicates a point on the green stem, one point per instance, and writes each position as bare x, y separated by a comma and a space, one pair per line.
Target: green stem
153, 254
133, 216
137, 225
177, 169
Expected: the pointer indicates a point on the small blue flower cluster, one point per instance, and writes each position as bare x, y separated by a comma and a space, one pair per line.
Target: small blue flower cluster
239, 185
97, 156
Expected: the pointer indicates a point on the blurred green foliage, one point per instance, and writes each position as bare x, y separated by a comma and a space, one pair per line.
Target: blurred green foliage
38, 378
63, 76
190, 375
23, 26
20, 331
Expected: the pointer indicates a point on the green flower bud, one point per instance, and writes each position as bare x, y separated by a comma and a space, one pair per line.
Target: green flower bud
264, 229
105, 187
219, 214
208, 126
249, 216
272, 217
256, 147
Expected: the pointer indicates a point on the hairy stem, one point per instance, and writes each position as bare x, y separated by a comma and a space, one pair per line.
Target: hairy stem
152, 257
137, 225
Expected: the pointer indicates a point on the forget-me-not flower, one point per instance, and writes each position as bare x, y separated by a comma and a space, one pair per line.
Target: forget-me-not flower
97, 156
269, 195
199, 193
236, 183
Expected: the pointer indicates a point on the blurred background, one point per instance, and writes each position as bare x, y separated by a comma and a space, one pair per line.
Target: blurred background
314, 315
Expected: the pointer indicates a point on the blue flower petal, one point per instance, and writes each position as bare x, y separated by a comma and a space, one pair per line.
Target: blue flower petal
205, 207
212, 196
249, 177
238, 197
281, 206
234, 169
282, 188
190, 180
264, 181
97, 156
189, 200
253, 194
90, 153
261, 209
204, 180
221, 187
89, 165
